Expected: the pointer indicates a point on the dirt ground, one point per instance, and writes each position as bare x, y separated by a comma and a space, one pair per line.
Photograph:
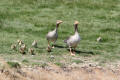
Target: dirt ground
53, 72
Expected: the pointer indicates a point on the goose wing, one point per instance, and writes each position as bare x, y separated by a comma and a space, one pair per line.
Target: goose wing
65, 41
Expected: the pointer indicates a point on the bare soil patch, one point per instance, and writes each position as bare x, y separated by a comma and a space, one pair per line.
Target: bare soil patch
53, 72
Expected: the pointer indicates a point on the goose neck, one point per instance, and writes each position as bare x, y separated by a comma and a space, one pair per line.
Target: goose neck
57, 25
76, 28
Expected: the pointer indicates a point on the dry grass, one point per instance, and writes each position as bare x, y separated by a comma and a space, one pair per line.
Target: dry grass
54, 72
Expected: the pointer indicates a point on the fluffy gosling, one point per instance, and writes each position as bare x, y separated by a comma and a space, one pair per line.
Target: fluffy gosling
34, 44
22, 49
49, 49
31, 51
20, 42
23, 46
13, 46
99, 39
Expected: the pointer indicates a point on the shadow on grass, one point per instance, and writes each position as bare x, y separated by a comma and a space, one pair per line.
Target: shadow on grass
86, 52
82, 52
58, 46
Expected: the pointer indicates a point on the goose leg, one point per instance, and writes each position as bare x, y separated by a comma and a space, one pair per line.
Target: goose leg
53, 46
72, 54
48, 44
74, 50
49, 48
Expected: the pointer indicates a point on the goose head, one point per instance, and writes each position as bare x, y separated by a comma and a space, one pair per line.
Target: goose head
59, 21
76, 23
76, 26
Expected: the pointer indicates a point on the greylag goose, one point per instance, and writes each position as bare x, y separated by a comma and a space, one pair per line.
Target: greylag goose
53, 35
34, 44
73, 40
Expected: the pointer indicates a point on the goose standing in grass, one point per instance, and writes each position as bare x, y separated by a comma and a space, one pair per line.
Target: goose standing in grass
53, 35
73, 40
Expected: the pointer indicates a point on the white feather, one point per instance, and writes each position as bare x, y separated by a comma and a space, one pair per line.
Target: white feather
74, 40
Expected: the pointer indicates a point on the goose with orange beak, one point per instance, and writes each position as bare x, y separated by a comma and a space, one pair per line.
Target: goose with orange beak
73, 40
53, 35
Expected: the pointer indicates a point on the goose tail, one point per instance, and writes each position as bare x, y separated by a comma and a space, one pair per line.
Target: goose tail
65, 41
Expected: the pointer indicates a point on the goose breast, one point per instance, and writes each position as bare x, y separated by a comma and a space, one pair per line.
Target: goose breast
73, 40
52, 36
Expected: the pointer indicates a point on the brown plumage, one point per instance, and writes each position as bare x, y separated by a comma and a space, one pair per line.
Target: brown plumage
13, 46
23, 46
20, 42
48, 49
22, 49
31, 51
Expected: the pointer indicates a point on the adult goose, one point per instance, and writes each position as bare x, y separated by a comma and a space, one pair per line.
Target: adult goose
53, 35
73, 40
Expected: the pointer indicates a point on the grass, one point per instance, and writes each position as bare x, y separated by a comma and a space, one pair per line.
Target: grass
13, 64
77, 61
25, 61
30, 20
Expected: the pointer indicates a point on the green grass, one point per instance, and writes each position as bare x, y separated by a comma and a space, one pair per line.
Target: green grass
25, 61
77, 61
30, 20
13, 64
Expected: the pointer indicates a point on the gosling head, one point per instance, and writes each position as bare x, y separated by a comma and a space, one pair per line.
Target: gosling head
24, 46
35, 41
19, 42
